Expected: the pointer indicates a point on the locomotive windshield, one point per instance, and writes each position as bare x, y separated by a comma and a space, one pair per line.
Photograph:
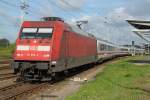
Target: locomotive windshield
28, 33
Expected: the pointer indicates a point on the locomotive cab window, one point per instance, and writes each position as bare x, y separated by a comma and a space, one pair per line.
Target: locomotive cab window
29, 30
44, 33
28, 33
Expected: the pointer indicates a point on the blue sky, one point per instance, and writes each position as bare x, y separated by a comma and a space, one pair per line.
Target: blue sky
106, 17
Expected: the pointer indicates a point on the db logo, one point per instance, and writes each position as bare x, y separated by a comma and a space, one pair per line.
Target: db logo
33, 47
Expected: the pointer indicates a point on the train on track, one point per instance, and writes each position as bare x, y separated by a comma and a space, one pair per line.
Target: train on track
45, 48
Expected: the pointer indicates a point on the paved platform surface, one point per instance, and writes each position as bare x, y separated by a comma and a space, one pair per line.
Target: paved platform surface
144, 60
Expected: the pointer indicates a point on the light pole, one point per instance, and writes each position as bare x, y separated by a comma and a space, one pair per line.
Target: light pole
23, 6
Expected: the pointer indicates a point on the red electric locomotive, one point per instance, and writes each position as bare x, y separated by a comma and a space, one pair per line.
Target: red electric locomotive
44, 48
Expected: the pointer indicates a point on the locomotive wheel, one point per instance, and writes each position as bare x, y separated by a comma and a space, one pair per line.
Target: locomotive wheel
58, 76
66, 73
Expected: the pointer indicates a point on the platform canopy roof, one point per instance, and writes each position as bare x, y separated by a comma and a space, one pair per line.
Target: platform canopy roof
140, 34
142, 28
139, 24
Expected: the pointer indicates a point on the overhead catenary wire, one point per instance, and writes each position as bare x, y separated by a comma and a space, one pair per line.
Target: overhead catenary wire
63, 10
67, 3
9, 17
33, 11
36, 13
8, 3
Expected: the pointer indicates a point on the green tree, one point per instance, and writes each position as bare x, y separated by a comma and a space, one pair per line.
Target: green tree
4, 42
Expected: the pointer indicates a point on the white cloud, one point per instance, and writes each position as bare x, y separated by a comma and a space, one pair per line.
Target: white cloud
138, 8
45, 8
10, 19
120, 13
118, 16
111, 27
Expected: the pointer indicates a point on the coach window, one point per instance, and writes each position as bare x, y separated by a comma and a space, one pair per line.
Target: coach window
109, 48
102, 47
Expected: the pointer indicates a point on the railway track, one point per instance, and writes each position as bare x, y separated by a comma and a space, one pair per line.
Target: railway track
4, 61
7, 76
4, 66
21, 89
15, 91
6, 72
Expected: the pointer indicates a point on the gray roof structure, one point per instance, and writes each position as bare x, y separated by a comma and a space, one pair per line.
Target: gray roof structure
139, 24
142, 28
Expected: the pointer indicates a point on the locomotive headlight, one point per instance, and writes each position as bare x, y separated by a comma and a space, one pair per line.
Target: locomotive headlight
33, 55
43, 48
54, 62
18, 54
46, 55
23, 47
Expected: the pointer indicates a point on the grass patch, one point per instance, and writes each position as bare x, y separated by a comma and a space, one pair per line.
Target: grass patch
121, 80
6, 52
